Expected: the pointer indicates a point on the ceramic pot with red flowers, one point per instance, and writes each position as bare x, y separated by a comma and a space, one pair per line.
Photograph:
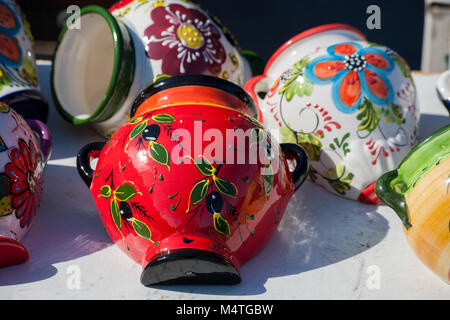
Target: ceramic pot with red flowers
104, 59
19, 86
419, 192
350, 103
25, 147
193, 190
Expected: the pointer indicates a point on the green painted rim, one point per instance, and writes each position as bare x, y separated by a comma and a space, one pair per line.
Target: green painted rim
122, 75
393, 186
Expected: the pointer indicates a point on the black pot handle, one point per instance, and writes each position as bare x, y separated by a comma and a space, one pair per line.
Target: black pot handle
301, 169
83, 160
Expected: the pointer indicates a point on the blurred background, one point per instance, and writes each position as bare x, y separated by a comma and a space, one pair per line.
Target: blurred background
417, 29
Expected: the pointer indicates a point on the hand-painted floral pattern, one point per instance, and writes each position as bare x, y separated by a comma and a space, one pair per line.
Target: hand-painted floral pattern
185, 40
356, 73
26, 181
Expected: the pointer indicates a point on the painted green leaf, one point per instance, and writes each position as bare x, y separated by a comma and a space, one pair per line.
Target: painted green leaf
308, 88
125, 192
340, 169
163, 118
404, 68
221, 224
115, 213
369, 116
205, 167
105, 191
159, 153
135, 120
311, 144
343, 185
295, 86
4, 108
268, 179
291, 90
138, 130
288, 136
225, 187
199, 191
141, 228
393, 113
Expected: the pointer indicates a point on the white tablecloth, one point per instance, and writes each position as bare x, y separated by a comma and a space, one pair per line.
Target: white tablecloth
325, 247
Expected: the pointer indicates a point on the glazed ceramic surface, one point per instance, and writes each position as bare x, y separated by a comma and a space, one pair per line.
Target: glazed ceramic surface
193, 89
18, 74
419, 191
443, 88
22, 161
351, 104
190, 212
151, 38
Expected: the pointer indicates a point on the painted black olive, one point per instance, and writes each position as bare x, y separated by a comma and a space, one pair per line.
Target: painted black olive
214, 202
125, 210
151, 133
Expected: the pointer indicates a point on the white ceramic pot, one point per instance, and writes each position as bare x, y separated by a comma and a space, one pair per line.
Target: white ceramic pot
443, 88
25, 147
18, 73
100, 68
348, 102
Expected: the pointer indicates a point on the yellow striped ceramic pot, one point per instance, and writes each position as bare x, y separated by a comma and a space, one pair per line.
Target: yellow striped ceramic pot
419, 191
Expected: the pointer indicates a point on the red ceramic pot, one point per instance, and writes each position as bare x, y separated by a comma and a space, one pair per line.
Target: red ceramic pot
187, 210
195, 90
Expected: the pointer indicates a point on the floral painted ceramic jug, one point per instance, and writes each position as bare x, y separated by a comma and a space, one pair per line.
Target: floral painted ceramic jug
18, 74
350, 104
419, 192
192, 213
22, 160
101, 67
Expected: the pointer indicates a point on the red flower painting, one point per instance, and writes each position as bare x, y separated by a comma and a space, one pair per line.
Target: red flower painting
185, 40
26, 181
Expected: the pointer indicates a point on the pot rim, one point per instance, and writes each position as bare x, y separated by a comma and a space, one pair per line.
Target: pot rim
123, 69
394, 186
421, 159
308, 33
165, 83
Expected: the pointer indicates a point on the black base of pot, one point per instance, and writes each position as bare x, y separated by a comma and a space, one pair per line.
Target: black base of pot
190, 267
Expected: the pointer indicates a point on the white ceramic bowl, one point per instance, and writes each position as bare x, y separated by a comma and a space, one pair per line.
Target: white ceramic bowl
105, 58
350, 103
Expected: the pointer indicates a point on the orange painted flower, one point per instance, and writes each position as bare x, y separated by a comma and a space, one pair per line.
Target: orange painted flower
355, 73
